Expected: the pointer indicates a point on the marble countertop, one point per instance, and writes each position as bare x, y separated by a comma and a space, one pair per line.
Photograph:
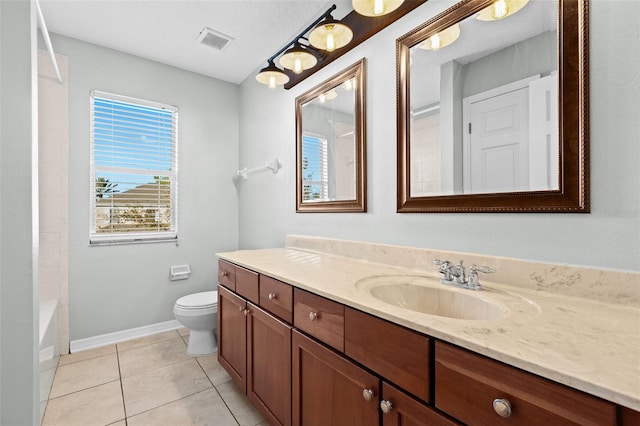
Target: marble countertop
585, 343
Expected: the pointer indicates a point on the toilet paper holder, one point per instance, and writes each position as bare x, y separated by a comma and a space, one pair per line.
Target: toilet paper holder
179, 272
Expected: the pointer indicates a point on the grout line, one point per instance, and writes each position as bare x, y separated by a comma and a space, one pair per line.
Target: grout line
124, 406
226, 405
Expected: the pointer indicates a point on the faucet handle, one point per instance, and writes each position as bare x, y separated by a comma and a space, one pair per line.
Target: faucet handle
485, 269
474, 283
440, 262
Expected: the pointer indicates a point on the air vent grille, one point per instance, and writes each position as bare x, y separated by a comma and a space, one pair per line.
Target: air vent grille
214, 39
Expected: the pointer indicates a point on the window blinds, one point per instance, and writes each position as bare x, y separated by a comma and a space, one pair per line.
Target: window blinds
315, 173
133, 169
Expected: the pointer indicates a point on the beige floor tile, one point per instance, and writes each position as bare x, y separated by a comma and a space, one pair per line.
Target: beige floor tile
184, 331
214, 370
146, 358
122, 423
101, 405
143, 392
148, 340
85, 374
84, 355
202, 409
240, 406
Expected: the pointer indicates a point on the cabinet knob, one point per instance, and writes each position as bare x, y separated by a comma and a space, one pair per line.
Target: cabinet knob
241, 308
386, 406
313, 316
246, 312
367, 394
502, 406
225, 274
273, 296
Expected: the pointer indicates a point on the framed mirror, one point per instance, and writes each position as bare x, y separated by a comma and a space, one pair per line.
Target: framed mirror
493, 109
331, 144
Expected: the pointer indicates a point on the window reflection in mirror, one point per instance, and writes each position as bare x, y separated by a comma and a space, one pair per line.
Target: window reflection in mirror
330, 144
483, 113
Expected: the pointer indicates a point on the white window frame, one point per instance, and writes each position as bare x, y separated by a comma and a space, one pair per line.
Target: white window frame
128, 237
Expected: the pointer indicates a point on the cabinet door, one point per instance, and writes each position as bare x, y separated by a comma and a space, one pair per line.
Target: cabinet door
406, 411
269, 365
328, 389
232, 336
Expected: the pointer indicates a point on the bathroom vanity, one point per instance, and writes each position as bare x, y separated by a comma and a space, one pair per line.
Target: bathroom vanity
335, 332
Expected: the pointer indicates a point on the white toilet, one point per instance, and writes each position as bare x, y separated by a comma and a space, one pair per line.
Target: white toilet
198, 312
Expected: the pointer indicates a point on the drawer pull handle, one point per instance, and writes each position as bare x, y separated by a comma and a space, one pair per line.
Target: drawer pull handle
273, 296
386, 406
313, 316
367, 394
502, 407
225, 274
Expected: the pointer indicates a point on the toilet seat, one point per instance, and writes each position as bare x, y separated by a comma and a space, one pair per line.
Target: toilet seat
198, 301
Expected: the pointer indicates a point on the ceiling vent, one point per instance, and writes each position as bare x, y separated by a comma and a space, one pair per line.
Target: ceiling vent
214, 39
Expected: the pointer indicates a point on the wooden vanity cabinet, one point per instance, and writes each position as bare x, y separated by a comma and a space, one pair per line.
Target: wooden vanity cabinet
232, 336
269, 365
400, 355
406, 411
328, 389
467, 384
254, 347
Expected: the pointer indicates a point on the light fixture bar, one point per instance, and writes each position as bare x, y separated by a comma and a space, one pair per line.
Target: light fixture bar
301, 35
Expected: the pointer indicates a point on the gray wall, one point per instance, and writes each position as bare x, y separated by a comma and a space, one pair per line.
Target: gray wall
19, 381
114, 288
608, 237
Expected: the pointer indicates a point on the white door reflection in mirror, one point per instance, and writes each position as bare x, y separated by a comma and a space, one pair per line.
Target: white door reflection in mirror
484, 80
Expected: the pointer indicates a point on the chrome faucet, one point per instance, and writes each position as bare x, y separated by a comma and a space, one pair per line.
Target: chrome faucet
455, 275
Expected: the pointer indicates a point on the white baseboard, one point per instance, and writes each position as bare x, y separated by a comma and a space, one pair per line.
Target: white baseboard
121, 336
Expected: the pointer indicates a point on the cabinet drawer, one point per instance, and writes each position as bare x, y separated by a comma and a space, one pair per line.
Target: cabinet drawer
467, 385
400, 355
247, 284
227, 274
319, 317
276, 297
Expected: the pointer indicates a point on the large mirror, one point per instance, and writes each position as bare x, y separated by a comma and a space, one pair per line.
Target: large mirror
492, 109
330, 144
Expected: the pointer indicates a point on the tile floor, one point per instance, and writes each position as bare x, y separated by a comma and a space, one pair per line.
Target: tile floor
146, 382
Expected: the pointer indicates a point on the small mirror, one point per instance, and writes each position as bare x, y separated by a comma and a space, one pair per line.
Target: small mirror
330, 144
492, 109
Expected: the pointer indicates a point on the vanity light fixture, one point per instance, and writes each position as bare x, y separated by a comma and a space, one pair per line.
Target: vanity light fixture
328, 35
298, 58
442, 38
501, 9
272, 76
375, 7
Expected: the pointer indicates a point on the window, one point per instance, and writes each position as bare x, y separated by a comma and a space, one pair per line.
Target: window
315, 168
133, 188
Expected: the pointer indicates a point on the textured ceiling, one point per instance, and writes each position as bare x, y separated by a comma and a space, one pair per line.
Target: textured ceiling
167, 31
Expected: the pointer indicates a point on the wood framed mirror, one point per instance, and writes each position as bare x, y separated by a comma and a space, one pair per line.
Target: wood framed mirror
493, 111
331, 144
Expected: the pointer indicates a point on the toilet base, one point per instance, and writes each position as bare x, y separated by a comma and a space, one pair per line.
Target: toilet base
202, 342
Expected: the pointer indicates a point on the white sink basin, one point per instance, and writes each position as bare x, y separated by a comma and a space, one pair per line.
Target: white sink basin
427, 296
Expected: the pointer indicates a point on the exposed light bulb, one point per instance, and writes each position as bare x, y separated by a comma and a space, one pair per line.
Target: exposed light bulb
272, 82
297, 64
500, 9
435, 42
331, 41
378, 7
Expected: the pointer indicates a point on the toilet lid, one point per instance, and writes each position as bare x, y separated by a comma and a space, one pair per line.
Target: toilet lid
206, 299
